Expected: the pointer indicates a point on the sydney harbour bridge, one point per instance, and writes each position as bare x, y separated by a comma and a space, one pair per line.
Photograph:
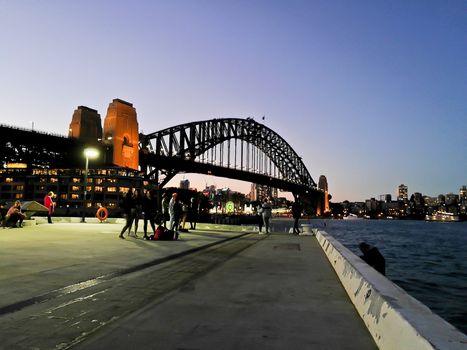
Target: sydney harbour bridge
234, 148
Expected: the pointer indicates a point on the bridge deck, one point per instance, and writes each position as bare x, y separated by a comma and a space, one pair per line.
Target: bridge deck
273, 292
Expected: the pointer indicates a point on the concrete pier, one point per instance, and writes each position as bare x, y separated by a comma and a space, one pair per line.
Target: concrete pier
72, 285
273, 292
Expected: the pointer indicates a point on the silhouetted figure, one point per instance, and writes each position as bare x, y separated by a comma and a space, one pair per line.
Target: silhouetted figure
193, 212
138, 198
185, 210
165, 209
259, 218
296, 214
175, 212
373, 257
129, 210
149, 212
266, 213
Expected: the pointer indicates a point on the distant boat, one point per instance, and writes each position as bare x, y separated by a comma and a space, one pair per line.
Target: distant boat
442, 216
352, 217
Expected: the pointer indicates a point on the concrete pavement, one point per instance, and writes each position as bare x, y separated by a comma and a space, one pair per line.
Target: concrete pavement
275, 292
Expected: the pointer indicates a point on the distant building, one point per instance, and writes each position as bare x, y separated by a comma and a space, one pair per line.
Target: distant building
402, 192
86, 125
185, 184
387, 198
121, 134
463, 193
259, 192
323, 185
109, 177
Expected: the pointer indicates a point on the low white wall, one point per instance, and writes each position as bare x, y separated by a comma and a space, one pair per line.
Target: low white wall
395, 319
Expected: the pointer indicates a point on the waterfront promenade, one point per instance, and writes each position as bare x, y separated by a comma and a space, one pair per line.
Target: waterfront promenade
72, 285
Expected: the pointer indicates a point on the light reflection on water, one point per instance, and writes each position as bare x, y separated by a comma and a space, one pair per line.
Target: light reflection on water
427, 259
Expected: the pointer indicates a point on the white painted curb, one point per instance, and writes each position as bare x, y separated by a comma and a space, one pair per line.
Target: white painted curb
395, 319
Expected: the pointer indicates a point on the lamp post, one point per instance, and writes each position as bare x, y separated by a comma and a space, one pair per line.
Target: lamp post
89, 153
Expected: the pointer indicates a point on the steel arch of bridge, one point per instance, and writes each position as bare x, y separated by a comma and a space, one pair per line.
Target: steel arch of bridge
185, 147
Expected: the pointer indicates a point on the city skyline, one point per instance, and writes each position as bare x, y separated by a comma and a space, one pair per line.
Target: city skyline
371, 95
175, 182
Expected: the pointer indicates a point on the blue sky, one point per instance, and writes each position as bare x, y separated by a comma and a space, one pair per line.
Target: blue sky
371, 94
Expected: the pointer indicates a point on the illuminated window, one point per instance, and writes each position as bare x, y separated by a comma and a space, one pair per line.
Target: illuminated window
76, 180
19, 195
42, 180
111, 189
112, 205
124, 189
53, 179
19, 188
88, 205
75, 188
98, 189
75, 196
9, 179
99, 181
63, 196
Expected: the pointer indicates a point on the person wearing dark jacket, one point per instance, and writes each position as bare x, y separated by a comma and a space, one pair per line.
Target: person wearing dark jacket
373, 257
149, 210
138, 213
129, 208
296, 214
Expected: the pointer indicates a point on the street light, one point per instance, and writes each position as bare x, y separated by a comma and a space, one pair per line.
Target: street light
89, 153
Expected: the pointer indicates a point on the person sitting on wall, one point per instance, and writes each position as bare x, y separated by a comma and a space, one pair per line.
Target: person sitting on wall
14, 215
373, 257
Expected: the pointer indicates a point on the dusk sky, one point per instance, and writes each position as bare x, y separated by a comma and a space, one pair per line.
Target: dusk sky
372, 94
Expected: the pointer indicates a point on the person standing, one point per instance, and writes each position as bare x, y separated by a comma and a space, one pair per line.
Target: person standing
259, 218
50, 205
267, 213
175, 212
128, 206
296, 214
138, 213
165, 209
149, 212
193, 212
185, 210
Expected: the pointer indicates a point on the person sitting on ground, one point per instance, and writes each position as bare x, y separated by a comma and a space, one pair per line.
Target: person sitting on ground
373, 257
162, 234
14, 215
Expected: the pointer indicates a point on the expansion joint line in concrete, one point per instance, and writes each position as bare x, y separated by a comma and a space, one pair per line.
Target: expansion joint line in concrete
8, 309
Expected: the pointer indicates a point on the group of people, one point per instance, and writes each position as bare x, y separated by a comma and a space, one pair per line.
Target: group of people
14, 216
264, 212
137, 204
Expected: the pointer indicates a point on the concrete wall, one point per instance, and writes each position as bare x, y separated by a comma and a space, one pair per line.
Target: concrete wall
395, 319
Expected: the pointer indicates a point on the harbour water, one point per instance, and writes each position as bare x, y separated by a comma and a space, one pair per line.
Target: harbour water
426, 259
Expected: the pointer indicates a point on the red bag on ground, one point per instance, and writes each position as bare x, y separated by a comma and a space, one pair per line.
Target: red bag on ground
162, 234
